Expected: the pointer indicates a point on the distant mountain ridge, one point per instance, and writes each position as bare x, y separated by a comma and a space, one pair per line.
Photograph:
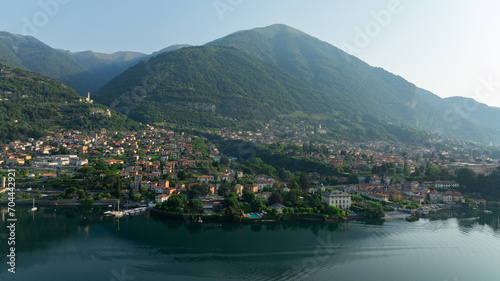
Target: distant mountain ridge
83, 71
370, 92
263, 74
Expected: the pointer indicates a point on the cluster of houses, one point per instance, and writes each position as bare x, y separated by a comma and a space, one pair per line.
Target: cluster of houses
409, 191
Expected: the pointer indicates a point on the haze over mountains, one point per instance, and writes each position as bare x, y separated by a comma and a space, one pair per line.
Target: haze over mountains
83, 71
265, 74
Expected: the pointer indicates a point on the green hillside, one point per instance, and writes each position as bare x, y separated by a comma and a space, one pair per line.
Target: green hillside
32, 105
82, 71
370, 92
210, 86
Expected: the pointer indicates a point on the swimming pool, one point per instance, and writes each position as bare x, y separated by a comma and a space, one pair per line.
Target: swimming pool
253, 216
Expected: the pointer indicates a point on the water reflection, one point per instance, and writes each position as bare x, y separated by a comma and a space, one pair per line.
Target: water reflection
162, 249
467, 219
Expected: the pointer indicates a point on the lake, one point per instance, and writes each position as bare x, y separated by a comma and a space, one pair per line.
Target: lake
71, 243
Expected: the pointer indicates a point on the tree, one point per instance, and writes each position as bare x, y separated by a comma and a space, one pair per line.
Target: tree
353, 179
183, 175
304, 181
86, 171
231, 214
248, 196
87, 201
100, 165
275, 198
196, 204
176, 201
333, 211
230, 202
466, 176
257, 205
224, 161
70, 192
63, 150
226, 188
292, 196
131, 193
197, 191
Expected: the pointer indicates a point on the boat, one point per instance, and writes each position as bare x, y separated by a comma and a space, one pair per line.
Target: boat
34, 208
488, 211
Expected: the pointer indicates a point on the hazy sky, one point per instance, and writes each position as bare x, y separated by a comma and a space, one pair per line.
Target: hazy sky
448, 47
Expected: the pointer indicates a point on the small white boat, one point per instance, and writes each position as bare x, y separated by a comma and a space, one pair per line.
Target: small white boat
488, 211
118, 214
34, 208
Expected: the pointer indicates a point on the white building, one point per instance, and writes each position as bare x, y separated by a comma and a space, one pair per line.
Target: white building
337, 198
59, 160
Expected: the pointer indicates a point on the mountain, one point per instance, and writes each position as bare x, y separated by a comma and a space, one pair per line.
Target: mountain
370, 92
211, 86
204, 85
32, 105
84, 71
275, 74
478, 113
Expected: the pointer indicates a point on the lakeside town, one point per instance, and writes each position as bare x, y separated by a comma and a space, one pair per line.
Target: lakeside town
185, 173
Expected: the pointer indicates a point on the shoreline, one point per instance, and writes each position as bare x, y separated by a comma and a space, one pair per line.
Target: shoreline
63, 203
397, 215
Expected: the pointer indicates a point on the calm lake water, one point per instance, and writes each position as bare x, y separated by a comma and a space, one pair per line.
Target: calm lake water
79, 244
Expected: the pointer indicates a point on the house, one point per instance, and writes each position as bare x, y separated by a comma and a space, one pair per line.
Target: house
125, 193
418, 199
180, 186
448, 197
378, 197
239, 189
278, 206
135, 185
160, 198
48, 176
113, 161
441, 184
435, 196
350, 188
253, 188
224, 178
211, 203
458, 197
265, 183
14, 161
164, 183
336, 198
205, 178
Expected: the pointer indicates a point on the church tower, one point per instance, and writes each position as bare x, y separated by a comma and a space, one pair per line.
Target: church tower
88, 98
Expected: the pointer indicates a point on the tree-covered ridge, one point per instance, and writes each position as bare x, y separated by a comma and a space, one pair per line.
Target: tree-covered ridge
212, 86
222, 80
83, 71
32, 105
369, 93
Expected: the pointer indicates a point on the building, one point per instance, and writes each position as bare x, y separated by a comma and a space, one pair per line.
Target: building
48, 176
160, 198
441, 184
435, 196
205, 178
338, 199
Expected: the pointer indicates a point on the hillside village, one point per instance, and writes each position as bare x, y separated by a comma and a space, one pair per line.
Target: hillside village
155, 165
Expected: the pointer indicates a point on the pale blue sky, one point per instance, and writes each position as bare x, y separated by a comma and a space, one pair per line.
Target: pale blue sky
449, 47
